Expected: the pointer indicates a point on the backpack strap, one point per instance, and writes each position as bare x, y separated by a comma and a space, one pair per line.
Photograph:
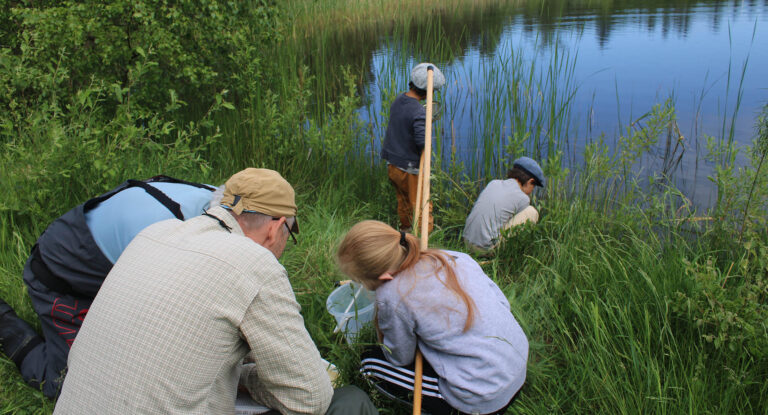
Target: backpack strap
167, 179
161, 197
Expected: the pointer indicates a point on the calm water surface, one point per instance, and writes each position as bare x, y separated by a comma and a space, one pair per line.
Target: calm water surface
623, 61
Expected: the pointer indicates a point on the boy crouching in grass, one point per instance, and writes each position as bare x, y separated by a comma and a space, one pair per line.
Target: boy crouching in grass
502, 205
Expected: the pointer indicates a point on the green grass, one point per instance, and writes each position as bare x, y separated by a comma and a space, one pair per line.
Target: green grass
631, 302
592, 291
594, 294
15, 396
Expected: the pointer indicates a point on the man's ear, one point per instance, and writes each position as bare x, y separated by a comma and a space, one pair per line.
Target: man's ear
274, 229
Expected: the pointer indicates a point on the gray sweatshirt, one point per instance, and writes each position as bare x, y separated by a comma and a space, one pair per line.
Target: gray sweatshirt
499, 202
479, 370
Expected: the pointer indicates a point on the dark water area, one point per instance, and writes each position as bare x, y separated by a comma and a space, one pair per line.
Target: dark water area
607, 62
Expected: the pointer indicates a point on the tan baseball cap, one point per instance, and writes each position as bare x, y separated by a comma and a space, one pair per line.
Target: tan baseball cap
262, 191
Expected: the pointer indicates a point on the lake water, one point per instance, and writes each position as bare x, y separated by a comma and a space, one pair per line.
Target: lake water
619, 62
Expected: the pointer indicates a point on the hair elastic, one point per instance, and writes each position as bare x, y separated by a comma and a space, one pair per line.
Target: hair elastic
403, 242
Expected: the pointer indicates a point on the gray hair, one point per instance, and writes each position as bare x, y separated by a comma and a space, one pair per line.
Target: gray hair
254, 220
216, 197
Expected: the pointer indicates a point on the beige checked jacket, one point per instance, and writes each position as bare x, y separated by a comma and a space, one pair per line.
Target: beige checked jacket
169, 329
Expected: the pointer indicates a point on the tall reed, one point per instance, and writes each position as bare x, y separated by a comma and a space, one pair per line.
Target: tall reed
632, 302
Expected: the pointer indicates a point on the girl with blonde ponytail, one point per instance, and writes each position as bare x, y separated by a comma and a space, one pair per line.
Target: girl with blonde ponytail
475, 352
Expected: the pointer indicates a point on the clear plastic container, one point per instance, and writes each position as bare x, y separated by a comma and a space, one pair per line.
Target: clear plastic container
352, 307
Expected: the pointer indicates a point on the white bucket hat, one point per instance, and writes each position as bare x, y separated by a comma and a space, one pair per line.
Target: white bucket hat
419, 76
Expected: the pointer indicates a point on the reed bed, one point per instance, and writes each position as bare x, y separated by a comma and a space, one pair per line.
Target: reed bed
633, 300
313, 17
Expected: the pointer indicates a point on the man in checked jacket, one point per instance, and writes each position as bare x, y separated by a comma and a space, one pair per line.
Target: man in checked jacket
186, 302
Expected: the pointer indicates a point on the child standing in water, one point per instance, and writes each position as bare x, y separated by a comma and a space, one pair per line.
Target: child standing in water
475, 352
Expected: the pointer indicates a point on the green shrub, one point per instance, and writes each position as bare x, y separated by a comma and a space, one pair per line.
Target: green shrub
54, 159
195, 48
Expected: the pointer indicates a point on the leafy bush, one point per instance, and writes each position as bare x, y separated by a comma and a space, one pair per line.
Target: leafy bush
730, 309
98, 92
195, 48
55, 159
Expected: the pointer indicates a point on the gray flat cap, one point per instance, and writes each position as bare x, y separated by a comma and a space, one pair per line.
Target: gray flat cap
530, 166
419, 76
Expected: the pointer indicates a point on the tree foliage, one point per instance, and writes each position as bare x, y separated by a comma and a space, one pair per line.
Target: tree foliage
95, 92
193, 48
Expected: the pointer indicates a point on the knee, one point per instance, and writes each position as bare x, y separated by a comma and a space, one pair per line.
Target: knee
351, 400
529, 214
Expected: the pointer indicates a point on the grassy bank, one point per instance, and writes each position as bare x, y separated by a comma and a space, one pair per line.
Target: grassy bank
633, 301
613, 302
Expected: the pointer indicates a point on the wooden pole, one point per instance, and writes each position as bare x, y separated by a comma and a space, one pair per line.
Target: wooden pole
427, 154
426, 162
418, 371
417, 206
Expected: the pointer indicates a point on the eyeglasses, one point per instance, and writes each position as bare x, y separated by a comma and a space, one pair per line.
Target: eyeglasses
295, 242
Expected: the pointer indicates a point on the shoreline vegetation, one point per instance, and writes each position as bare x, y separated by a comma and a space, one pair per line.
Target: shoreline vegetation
632, 298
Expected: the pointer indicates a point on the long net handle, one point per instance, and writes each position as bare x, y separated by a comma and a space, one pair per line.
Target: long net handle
425, 166
427, 156
417, 206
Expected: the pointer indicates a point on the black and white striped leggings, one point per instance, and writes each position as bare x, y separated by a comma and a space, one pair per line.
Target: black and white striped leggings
397, 383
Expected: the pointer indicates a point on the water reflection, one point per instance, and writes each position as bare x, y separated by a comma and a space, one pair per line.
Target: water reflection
480, 27
631, 55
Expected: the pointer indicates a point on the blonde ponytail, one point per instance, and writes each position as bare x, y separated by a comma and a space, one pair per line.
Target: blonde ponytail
372, 248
